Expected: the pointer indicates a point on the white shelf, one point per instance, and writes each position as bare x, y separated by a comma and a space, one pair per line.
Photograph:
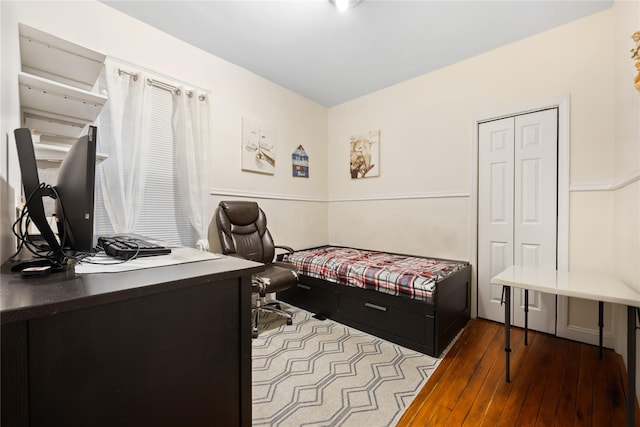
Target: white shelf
50, 155
56, 59
53, 124
43, 95
55, 86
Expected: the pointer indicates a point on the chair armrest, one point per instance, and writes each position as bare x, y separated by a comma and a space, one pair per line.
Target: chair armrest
286, 248
281, 255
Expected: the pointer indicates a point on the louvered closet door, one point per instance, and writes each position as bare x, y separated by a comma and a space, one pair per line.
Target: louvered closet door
517, 210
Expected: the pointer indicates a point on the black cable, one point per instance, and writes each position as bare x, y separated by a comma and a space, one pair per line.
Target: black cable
133, 241
20, 229
58, 257
97, 251
63, 238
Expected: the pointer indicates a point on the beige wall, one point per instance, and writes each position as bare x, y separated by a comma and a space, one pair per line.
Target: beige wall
235, 92
626, 175
626, 151
427, 150
427, 140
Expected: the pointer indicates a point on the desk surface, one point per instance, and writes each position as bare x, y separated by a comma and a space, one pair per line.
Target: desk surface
591, 286
23, 299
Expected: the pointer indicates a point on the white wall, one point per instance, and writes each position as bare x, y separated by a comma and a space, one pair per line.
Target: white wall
427, 138
626, 146
626, 177
235, 92
426, 150
9, 117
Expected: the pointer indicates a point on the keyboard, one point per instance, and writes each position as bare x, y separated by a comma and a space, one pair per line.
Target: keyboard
130, 247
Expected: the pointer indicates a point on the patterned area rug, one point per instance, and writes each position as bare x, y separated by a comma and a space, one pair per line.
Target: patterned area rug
322, 373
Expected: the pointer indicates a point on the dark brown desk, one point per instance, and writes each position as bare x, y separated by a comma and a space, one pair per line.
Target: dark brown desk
164, 346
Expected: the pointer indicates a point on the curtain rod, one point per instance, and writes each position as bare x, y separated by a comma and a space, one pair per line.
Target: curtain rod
159, 84
163, 85
171, 88
128, 73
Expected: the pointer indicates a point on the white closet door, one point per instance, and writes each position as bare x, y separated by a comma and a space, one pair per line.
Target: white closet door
495, 212
535, 210
517, 210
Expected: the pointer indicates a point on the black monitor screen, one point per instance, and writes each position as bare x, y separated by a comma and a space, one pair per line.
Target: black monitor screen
76, 190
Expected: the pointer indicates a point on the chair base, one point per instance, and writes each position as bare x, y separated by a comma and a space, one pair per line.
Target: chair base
272, 307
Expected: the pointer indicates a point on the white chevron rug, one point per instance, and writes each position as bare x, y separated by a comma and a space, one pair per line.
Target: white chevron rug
322, 373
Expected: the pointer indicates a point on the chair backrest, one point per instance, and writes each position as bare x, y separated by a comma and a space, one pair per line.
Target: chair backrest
242, 229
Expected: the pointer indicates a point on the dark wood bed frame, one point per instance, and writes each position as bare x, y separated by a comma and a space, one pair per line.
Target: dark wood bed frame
427, 327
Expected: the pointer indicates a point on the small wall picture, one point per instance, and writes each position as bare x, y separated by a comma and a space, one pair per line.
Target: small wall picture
365, 155
258, 146
300, 163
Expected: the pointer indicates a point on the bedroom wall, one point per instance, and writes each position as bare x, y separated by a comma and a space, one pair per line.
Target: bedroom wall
421, 203
626, 177
626, 174
427, 131
8, 117
296, 207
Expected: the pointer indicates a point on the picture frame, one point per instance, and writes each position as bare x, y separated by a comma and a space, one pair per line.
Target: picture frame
258, 146
364, 155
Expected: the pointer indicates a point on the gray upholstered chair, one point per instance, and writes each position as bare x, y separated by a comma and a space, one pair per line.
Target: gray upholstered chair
242, 229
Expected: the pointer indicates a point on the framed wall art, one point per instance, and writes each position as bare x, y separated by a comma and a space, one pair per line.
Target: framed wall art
300, 163
258, 146
364, 155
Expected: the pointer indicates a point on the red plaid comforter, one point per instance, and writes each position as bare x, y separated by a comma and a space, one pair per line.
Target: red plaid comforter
404, 275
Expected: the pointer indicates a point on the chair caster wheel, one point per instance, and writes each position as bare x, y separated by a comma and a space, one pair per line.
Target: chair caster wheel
254, 334
289, 321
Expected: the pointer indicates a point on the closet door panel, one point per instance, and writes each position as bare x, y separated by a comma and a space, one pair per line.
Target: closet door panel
535, 208
517, 210
495, 212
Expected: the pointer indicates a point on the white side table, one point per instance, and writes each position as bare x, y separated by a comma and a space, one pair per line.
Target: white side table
590, 286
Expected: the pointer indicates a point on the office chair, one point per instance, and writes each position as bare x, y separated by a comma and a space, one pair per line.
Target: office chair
242, 229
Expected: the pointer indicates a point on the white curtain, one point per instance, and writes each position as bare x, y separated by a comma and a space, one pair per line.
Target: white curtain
191, 134
123, 134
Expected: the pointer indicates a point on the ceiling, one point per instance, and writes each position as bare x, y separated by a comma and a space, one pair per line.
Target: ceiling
330, 57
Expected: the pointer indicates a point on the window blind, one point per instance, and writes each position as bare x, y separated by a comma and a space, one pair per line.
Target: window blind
161, 215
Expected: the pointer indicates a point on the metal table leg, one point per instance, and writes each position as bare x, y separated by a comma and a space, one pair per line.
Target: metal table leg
506, 293
526, 317
631, 365
600, 325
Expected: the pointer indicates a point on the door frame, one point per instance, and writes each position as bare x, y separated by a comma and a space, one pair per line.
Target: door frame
562, 104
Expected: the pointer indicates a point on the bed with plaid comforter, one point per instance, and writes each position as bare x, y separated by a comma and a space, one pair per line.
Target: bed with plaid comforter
400, 275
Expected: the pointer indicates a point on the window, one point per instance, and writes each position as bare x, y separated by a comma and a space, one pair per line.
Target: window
161, 214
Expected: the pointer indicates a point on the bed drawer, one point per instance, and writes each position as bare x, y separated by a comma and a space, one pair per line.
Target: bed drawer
384, 317
311, 297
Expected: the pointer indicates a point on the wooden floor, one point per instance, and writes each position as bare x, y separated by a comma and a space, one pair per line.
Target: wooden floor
554, 382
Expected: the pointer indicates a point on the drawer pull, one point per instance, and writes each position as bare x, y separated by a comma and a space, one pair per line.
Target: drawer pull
375, 307
305, 287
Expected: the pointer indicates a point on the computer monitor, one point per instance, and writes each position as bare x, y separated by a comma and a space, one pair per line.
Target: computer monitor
75, 189
74, 199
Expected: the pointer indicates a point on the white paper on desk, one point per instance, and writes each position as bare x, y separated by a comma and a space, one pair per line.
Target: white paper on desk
106, 264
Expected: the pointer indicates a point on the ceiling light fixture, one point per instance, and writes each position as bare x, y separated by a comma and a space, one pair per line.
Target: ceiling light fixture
343, 5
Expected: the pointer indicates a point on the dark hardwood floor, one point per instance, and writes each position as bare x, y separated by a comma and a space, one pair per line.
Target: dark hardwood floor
554, 382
